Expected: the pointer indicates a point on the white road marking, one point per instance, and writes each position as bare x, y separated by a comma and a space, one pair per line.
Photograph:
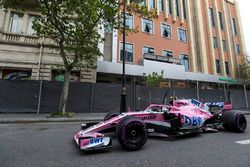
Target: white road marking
243, 142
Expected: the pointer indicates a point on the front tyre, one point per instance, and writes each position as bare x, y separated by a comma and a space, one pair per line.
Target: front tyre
131, 133
234, 121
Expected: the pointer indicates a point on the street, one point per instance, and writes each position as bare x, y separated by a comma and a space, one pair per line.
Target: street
39, 145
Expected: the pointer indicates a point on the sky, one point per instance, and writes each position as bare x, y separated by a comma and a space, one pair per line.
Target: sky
244, 6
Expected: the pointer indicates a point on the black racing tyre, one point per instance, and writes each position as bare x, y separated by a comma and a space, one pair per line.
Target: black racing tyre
111, 115
234, 121
131, 133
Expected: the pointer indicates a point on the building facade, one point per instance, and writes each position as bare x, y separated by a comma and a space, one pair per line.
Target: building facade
198, 40
23, 55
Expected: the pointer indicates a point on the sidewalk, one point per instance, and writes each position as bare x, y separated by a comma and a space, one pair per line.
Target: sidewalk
36, 118
78, 117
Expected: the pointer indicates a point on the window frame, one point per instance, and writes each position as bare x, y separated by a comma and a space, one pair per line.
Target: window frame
185, 35
215, 43
146, 46
218, 64
227, 68
152, 2
164, 50
17, 24
170, 10
234, 26
221, 20
132, 16
161, 3
224, 45
177, 10
28, 26
171, 33
212, 20
121, 48
237, 49
143, 26
184, 6
186, 56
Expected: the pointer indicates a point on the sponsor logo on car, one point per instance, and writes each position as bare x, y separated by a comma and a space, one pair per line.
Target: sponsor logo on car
96, 140
193, 121
148, 117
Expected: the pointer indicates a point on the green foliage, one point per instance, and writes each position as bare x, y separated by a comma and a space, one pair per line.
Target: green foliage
244, 71
154, 79
73, 25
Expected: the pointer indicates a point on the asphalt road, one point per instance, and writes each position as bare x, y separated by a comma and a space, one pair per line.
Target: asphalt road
51, 145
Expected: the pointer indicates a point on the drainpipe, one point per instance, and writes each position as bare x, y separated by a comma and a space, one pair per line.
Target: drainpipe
40, 59
38, 76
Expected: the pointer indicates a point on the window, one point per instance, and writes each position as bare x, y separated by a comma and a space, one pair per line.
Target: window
182, 35
58, 75
237, 49
129, 21
167, 53
169, 6
30, 29
184, 5
142, 3
234, 27
212, 17
146, 49
215, 42
128, 52
152, 4
161, 5
177, 7
224, 44
108, 28
221, 21
16, 23
184, 60
218, 66
227, 68
166, 31
147, 26
17, 74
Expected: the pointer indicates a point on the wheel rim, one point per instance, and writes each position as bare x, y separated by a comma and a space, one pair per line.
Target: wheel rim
135, 134
242, 122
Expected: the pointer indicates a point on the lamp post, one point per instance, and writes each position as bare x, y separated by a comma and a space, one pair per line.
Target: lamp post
123, 105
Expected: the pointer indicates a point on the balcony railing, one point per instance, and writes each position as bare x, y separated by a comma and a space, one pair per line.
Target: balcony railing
19, 38
14, 38
151, 56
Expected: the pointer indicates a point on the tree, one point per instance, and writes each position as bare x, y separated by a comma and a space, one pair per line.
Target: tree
73, 25
244, 71
154, 79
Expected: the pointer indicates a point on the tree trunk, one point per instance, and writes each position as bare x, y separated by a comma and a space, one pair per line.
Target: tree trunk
65, 92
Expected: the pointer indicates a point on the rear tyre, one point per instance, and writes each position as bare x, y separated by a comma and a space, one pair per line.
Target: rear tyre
131, 133
111, 115
234, 121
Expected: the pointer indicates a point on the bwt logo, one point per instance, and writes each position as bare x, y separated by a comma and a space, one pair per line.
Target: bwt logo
95, 140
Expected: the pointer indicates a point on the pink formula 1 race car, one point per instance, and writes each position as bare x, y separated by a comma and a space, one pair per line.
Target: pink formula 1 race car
180, 118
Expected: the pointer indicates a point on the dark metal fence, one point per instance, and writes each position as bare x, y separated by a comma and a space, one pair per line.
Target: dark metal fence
23, 96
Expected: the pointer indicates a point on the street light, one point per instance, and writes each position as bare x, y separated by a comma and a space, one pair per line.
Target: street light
123, 105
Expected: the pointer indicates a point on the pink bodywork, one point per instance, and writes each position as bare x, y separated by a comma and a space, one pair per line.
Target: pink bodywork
192, 117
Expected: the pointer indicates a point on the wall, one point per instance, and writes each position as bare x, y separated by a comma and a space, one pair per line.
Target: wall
23, 96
